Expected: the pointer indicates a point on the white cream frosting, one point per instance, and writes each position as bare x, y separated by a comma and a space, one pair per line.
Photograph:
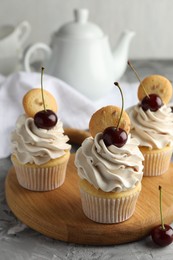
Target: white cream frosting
31, 144
110, 169
152, 129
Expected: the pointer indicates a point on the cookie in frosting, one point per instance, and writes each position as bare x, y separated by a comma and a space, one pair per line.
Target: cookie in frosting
156, 84
33, 102
108, 116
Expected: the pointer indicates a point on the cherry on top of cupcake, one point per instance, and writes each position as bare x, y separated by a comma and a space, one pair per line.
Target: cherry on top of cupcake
113, 122
153, 91
156, 86
41, 105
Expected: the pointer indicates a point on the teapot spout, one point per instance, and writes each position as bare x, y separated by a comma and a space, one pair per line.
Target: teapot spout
120, 54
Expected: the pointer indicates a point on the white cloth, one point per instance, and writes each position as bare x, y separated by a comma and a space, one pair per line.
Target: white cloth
74, 109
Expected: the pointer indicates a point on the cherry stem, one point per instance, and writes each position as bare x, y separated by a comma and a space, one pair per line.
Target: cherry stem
122, 107
162, 222
131, 66
42, 71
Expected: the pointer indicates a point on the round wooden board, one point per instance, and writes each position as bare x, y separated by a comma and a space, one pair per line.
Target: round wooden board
58, 214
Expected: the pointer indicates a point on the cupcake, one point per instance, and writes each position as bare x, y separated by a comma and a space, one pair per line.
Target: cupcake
152, 124
109, 168
40, 151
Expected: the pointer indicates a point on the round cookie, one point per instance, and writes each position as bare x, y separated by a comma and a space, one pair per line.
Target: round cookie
32, 101
156, 84
108, 116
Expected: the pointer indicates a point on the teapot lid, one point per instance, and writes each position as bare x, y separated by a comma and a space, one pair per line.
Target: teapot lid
80, 28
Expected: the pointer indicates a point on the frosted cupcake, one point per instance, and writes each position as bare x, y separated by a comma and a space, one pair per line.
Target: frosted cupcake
40, 151
110, 171
152, 124
154, 133
39, 156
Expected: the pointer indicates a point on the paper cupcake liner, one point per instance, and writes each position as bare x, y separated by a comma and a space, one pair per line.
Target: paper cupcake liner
41, 179
156, 164
108, 210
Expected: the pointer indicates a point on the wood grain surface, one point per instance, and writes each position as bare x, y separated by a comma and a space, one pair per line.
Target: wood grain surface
76, 136
58, 214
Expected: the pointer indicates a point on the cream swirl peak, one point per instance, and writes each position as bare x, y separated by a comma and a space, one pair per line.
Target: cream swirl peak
152, 129
31, 144
110, 169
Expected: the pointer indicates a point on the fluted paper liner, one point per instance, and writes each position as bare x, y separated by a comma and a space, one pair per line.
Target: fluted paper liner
156, 164
41, 179
108, 210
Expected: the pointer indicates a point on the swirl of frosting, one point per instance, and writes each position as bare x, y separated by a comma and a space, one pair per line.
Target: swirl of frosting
31, 144
152, 129
110, 169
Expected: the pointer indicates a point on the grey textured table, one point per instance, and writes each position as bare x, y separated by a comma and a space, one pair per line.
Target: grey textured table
19, 242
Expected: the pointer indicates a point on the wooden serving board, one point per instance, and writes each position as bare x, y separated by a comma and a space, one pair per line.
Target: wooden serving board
58, 214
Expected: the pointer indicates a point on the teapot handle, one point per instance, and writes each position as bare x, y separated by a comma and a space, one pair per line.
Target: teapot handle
23, 30
33, 49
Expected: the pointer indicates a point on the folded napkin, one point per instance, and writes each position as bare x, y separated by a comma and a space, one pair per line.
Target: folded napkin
74, 109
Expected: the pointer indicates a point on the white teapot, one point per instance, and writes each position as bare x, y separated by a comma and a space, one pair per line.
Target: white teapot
81, 56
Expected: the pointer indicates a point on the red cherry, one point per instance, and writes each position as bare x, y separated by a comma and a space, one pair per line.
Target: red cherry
152, 102
162, 237
115, 136
45, 119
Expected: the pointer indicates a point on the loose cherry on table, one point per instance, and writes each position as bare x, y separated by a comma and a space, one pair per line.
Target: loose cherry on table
162, 235
115, 136
152, 102
45, 119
